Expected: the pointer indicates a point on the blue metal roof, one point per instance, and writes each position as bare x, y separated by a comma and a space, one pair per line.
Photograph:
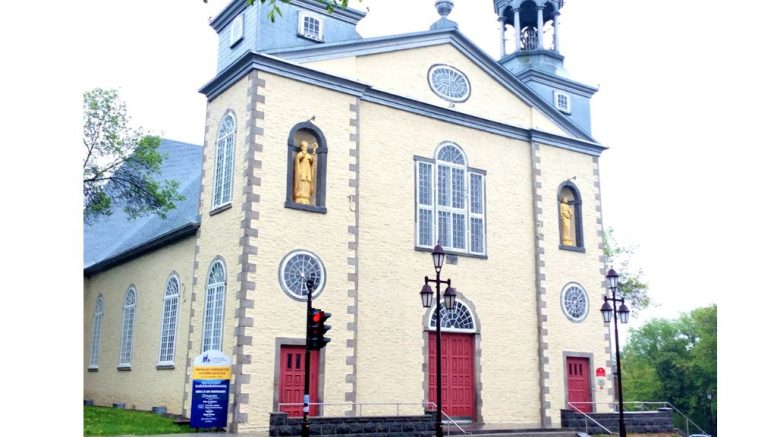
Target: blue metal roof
115, 238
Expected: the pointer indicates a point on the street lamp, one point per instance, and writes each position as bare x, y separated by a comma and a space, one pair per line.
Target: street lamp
623, 315
438, 256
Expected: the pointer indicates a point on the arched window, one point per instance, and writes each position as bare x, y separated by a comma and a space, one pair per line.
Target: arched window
570, 217
458, 319
306, 168
450, 207
169, 321
213, 320
97, 329
225, 150
128, 329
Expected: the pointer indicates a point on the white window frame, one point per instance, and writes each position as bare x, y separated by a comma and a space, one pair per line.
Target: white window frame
459, 304
436, 208
557, 96
224, 161
236, 30
169, 327
97, 329
564, 309
128, 328
301, 26
215, 297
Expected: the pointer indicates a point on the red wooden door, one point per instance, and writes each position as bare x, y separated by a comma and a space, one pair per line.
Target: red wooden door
579, 383
458, 384
292, 380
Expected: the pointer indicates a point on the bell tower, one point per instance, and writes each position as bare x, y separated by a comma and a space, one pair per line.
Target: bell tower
534, 55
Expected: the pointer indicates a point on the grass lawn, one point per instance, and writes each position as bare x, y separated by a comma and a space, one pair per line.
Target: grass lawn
114, 421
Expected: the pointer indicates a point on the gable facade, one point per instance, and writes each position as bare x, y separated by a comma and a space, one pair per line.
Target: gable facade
383, 130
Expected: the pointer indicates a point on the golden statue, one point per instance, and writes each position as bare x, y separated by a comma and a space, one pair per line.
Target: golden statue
566, 222
304, 173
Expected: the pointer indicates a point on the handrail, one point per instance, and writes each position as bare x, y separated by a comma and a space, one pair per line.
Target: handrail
642, 404
449, 420
588, 417
360, 404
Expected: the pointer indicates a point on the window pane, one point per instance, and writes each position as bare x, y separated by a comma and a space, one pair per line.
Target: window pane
425, 184
459, 231
444, 226
219, 175
425, 227
476, 235
451, 154
458, 188
226, 195
476, 193
443, 185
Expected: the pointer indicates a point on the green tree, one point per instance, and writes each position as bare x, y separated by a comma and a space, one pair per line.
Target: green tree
121, 162
630, 283
675, 361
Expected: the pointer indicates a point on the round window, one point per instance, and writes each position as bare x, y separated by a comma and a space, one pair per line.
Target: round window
574, 302
294, 271
448, 83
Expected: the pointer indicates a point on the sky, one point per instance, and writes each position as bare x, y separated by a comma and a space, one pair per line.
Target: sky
686, 107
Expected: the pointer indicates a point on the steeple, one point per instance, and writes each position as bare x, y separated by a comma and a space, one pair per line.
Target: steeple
444, 8
535, 59
536, 26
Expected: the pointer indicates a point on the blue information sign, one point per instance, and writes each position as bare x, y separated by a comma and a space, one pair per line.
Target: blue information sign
210, 398
211, 374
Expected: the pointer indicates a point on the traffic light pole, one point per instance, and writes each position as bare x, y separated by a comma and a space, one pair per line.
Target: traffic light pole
306, 401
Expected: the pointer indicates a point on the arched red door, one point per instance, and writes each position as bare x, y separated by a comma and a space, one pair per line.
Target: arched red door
458, 374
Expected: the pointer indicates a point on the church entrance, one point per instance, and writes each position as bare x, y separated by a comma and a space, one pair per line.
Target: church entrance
579, 383
458, 382
292, 380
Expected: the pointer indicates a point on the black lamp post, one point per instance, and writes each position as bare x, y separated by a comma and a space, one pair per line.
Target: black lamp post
438, 256
623, 314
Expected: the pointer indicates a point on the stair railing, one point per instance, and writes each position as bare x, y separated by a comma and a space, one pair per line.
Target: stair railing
588, 417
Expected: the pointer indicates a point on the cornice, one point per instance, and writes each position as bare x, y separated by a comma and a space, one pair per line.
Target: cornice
261, 62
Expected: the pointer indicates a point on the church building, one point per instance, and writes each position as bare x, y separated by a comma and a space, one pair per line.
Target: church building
346, 160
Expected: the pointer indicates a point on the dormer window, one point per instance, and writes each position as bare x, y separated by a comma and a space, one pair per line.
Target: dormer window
563, 102
236, 31
310, 26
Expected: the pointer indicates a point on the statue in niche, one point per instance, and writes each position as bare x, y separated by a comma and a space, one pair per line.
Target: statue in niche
304, 173
566, 222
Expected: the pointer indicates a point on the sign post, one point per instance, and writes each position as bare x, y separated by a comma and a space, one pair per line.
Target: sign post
211, 374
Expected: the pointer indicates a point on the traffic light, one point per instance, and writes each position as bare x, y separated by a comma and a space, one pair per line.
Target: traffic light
317, 329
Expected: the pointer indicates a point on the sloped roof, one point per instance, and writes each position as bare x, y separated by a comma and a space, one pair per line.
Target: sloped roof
115, 238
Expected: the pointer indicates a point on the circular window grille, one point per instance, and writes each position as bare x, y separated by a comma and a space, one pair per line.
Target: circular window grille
294, 271
574, 302
448, 83
458, 319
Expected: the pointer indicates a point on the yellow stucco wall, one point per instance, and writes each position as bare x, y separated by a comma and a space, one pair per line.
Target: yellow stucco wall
404, 73
563, 267
144, 386
220, 232
277, 316
500, 288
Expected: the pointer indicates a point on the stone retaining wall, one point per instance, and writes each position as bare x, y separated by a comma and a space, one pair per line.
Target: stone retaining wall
399, 426
636, 422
